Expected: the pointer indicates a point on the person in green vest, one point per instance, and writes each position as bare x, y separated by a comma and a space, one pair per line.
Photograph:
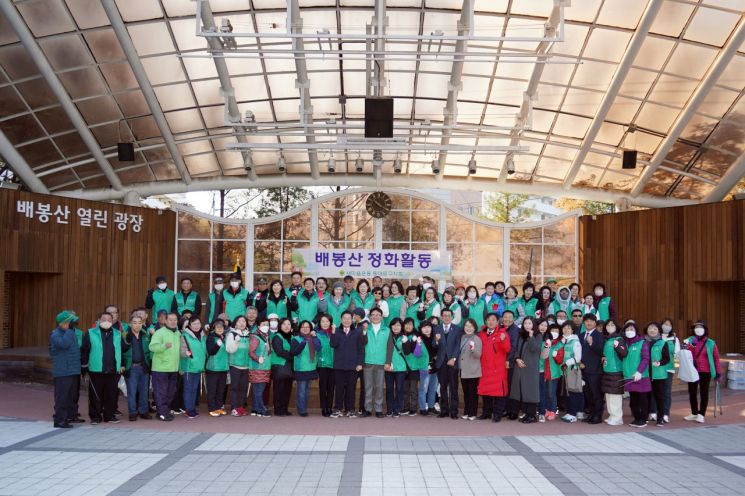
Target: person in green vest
236, 345
429, 306
282, 368
572, 349
410, 305
235, 298
215, 300
590, 309
322, 287
160, 297
411, 388
375, 340
74, 325
635, 367
193, 350
528, 300
512, 303
165, 348
325, 368
349, 290
561, 301
278, 302
659, 357
706, 359
260, 366
612, 383
448, 301
395, 301
575, 298
187, 299
101, 355
160, 321
362, 298
216, 368
395, 369
305, 349
673, 343
552, 356
603, 303
260, 293
542, 384
475, 306
137, 362
307, 302
294, 289
335, 304
379, 301
65, 356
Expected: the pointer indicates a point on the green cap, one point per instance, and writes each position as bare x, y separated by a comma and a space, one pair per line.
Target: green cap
64, 316
551, 280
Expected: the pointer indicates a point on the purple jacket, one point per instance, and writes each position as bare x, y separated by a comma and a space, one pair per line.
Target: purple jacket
644, 385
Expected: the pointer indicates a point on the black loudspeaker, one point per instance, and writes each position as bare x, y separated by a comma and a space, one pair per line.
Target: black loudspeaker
379, 117
629, 159
125, 152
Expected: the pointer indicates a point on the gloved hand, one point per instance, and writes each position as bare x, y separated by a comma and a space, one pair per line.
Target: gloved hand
637, 376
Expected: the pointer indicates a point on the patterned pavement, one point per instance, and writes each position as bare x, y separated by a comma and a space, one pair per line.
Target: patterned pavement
36, 459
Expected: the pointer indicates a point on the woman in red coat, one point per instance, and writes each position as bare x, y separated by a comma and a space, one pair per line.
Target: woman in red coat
493, 383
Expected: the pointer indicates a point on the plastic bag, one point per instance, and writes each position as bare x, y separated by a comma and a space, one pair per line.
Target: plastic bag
687, 371
122, 385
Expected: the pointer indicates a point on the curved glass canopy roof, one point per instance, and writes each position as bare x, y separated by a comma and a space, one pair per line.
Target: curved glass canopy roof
215, 93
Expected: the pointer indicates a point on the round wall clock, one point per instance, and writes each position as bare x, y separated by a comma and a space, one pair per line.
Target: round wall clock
378, 204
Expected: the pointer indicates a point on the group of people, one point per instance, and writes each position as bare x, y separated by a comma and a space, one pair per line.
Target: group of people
527, 356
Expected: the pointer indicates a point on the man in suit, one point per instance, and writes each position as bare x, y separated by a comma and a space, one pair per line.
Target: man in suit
447, 343
349, 355
593, 342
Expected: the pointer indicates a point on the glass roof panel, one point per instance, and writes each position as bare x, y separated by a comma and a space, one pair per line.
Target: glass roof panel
672, 18
607, 44
139, 10
711, 26
151, 38
621, 13
46, 17
87, 13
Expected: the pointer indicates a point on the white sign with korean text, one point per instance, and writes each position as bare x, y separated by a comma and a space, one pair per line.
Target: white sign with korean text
390, 264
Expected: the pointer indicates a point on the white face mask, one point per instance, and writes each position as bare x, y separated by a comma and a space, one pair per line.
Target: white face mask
472, 294
598, 292
218, 287
264, 329
235, 284
426, 286
554, 334
611, 329
630, 334
162, 286
561, 321
104, 325
698, 331
273, 324
666, 329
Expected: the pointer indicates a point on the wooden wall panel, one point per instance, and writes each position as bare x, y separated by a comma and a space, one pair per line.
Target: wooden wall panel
684, 263
52, 266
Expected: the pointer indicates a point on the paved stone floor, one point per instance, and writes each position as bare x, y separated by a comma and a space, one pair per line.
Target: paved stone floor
117, 460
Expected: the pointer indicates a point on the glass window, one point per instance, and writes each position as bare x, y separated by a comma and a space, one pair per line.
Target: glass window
558, 259
288, 264
228, 231
271, 230
360, 226
525, 235
459, 229
298, 226
191, 226
488, 258
194, 255
461, 257
561, 232
488, 234
225, 254
524, 259
397, 226
266, 256
424, 224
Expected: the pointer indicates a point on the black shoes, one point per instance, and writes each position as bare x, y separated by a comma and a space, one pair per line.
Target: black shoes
132, 417
528, 419
497, 417
424, 413
364, 414
379, 415
594, 420
76, 420
166, 418
146, 416
64, 425
483, 416
442, 415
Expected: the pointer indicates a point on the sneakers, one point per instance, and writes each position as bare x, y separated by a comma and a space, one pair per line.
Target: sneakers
379, 415
132, 417
406, 412
652, 417
692, 417
178, 411
611, 421
569, 418
351, 414
396, 415
660, 423
638, 424
666, 419
424, 413
700, 419
146, 416
113, 420
222, 411
215, 413
166, 418
95, 421
472, 417
550, 415
192, 415
238, 412
541, 418
263, 415
580, 415
63, 425
464, 417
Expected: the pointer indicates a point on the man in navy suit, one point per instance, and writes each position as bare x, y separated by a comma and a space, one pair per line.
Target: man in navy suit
593, 342
447, 343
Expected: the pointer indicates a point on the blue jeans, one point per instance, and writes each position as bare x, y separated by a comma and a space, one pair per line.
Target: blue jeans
575, 403
427, 389
551, 394
302, 396
258, 397
394, 391
137, 382
191, 391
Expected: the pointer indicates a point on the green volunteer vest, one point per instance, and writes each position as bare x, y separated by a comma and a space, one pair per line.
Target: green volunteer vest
335, 310
376, 347
430, 309
671, 346
530, 307
198, 347
398, 359
367, 304
326, 355
394, 308
262, 350
95, 359
709, 354
219, 361
632, 361
411, 313
554, 367
569, 353
554, 307
279, 307
213, 311
512, 307
476, 312
190, 303
655, 355
613, 363
235, 304
79, 337
604, 309
307, 308
276, 359
240, 357
162, 300
302, 362
127, 355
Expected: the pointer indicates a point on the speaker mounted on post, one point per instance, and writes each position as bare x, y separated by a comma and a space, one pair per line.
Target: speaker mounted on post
379, 117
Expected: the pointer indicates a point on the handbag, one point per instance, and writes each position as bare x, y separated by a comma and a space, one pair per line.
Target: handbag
687, 370
574, 380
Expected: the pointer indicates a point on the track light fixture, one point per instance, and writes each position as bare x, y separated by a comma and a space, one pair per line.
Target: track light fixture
359, 164
435, 167
281, 164
397, 166
472, 166
332, 163
510, 165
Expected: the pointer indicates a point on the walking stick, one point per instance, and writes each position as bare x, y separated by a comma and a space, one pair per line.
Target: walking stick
717, 400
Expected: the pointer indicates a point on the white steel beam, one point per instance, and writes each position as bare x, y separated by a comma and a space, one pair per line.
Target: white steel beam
204, 14
522, 117
702, 90
632, 50
455, 84
120, 30
393, 181
37, 55
295, 24
20, 166
728, 181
